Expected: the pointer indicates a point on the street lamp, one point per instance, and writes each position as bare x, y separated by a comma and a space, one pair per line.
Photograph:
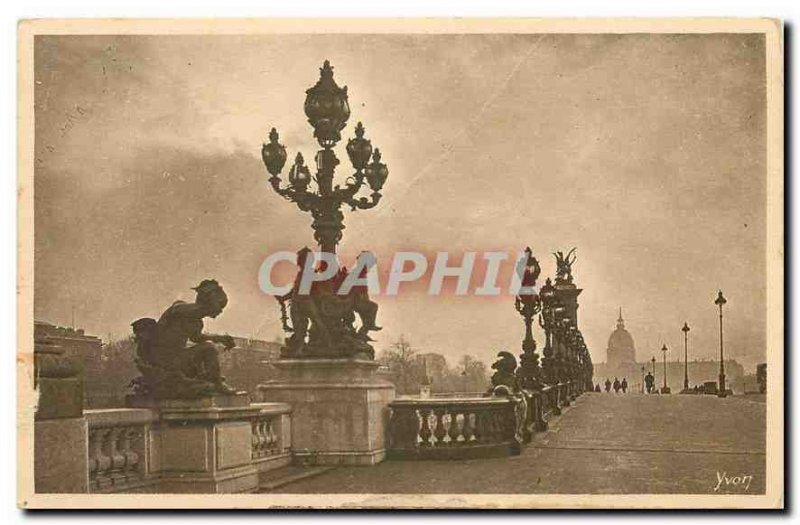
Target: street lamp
665, 390
327, 109
653, 361
546, 321
720, 301
529, 305
642, 385
685, 331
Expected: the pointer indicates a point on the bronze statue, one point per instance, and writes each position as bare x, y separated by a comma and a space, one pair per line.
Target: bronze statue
323, 319
564, 266
504, 375
171, 367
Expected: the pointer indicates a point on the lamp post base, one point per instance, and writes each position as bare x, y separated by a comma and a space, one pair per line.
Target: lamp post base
340, 409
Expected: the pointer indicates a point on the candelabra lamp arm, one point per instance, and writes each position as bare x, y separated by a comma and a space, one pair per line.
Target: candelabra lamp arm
363, 203
286, 193
304, 199
351, 189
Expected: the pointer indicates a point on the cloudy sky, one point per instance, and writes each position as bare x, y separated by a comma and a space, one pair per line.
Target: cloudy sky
646, 152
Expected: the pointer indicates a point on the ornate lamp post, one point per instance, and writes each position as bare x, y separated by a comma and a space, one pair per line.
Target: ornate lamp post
665, 390
331, 333
642, 379
720, 301
685, 331
547, 322
653, 361
529, 305
327, 109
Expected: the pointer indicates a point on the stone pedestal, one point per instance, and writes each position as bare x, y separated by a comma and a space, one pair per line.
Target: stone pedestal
60, 441
60, 453
58, 381
205, 445
340, 409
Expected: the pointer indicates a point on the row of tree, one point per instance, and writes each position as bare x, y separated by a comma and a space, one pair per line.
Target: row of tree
408, 369
108, 374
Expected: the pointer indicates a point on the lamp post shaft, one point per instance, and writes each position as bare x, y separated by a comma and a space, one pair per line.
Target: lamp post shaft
721, 355
685, 330
686, 360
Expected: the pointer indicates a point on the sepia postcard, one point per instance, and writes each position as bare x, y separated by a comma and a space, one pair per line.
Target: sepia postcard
399, 264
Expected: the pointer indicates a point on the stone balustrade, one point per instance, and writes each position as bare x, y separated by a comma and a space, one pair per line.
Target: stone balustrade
119, 450
133, 450
452, 428
473, 426
271, 436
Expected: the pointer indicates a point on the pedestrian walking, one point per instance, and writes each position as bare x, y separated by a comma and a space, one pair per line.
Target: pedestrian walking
608, 385
616, 385
648, 381
624, 385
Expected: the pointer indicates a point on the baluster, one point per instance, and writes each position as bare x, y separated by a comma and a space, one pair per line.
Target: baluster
439, 430
131, 469
263, 437
468, 427
102, 479
273, 436
453, 431
254, 439
116, 471
425, 432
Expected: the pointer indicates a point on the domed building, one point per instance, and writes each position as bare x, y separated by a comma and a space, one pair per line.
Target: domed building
621, 349
621, 364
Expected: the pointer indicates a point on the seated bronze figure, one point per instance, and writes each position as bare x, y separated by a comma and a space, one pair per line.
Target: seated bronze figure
171, 367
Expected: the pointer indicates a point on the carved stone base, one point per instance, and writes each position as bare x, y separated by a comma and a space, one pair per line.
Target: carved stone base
205, 445
240, 399
339, 409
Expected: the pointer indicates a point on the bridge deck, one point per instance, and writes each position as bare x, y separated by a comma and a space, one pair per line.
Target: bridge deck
604, 444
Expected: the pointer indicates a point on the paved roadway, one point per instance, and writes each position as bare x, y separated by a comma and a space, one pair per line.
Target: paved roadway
604, 444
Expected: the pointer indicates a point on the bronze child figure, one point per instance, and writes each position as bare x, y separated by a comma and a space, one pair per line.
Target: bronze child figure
171, 367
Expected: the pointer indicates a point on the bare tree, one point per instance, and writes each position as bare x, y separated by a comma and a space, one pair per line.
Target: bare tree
400, 360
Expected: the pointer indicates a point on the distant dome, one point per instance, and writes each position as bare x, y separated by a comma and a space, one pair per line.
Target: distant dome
621, 348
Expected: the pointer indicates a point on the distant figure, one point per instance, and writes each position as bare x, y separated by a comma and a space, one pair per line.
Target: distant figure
624, 385
597, 388
608, 385
648, 381
616, 386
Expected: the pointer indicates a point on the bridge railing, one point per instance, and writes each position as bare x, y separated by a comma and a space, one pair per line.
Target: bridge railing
126, 450
120, 448
473, 426
452, 428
